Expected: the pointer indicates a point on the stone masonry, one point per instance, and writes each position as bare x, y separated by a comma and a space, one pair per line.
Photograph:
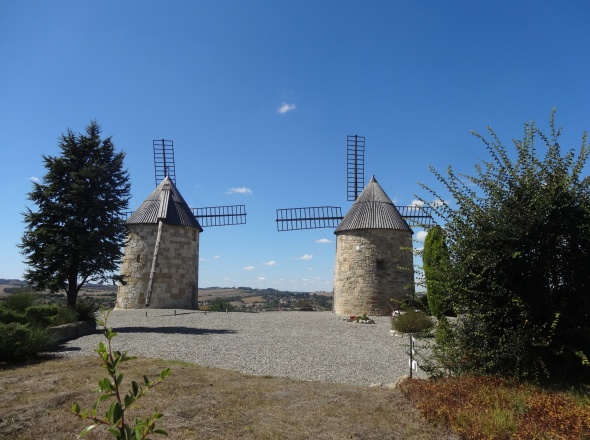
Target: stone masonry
373, 266
175, 283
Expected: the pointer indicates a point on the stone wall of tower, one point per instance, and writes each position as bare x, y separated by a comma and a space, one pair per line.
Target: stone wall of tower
175, 283
366, 271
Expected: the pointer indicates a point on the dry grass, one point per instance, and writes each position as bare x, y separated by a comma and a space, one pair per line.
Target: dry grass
206, 403
487, 408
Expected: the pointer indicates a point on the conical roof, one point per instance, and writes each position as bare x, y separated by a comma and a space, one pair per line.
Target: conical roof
167, 204
373, 209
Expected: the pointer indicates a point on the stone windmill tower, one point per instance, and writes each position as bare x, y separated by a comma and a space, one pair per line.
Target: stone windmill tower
373, 255
374, 262
160, 262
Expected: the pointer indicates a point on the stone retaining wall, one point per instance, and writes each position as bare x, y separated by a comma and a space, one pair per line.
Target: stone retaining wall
74, 330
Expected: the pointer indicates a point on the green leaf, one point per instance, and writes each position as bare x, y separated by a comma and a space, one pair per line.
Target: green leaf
165, 373
117, 412
76, 408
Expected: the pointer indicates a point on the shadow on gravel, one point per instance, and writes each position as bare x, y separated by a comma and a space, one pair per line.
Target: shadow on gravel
173, 330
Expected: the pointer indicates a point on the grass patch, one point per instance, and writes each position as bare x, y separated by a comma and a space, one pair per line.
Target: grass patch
207, 403
489, 408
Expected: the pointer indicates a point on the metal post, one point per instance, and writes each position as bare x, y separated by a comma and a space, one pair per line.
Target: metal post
411, 353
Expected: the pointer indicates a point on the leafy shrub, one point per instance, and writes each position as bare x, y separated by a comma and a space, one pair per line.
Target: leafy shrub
86, 310
20, 342
517, 231
20, 302
412, 321
8, 316
42, 315
65, 315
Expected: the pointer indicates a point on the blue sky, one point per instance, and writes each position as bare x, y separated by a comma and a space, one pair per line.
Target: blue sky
259, 96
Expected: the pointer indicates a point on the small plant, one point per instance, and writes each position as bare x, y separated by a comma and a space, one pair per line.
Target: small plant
363, 319
110, 387
412, 321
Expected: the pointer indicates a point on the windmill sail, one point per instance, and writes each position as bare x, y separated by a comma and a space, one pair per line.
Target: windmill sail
355, 166
313, 217
164, 160
221, 215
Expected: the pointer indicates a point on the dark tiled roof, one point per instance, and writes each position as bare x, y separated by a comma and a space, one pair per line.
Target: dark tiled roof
373, 210
165, 203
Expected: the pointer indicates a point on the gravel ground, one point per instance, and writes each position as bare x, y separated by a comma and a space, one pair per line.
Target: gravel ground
315, 346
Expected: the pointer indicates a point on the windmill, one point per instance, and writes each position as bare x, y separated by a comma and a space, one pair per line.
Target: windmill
373, 259
160, 262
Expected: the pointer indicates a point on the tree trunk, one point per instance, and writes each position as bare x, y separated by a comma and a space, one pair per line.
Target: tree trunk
72, 292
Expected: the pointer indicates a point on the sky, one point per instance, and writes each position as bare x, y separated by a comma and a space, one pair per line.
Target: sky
259, 96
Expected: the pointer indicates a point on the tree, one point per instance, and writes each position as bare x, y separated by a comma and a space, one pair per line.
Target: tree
435, 258
77, 233
519, 241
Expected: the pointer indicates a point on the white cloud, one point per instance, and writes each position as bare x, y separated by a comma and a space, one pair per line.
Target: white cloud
304, 257
285, 108
270, 263
437, 202
417, 203
216, 257
421, 235
241, 190
248, 268
261, 278
34, 179
323, 240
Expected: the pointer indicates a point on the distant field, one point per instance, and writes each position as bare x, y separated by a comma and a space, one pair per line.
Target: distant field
253, 299
207, 294
104, 292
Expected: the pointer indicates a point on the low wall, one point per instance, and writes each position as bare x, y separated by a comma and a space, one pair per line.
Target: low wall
74, 330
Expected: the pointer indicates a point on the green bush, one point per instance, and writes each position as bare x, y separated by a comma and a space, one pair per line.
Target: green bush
86, 310
20, 302
20, 342
42, 315
65, 316
412, 321
219, 305
8, 316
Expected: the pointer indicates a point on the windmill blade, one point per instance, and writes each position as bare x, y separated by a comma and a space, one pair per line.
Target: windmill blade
313, 217
420, 216
220, 215
164, 160
355, 166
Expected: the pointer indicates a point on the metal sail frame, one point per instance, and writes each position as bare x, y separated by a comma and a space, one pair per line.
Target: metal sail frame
314, 217
355, 166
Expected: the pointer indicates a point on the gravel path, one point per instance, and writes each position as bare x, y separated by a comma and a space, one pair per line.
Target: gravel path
315, 346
